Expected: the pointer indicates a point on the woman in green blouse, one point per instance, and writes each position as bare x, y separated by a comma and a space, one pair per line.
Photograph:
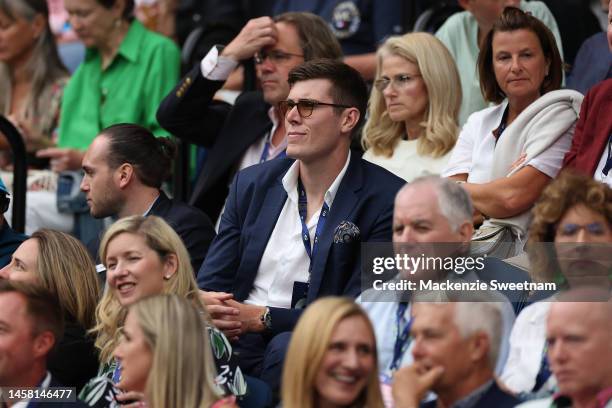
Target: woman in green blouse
126, 72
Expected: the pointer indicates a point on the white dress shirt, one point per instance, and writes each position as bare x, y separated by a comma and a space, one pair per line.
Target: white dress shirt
285, 260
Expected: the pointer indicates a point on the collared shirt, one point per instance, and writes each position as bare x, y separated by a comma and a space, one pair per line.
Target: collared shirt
472, 399
253, 154
129, 90
45, 384
146, 213
527, 342
602, 400
383, 310
285, 260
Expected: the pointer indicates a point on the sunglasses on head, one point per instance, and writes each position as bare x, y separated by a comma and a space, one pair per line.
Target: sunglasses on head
304, 106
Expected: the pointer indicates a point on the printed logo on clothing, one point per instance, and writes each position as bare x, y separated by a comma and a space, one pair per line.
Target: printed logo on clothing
345, 20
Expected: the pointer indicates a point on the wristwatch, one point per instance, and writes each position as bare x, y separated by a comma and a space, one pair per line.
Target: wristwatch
266, 319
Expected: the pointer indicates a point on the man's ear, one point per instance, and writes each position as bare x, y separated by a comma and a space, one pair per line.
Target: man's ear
125, 173
466, 230
350, 118
479, 346
43, 343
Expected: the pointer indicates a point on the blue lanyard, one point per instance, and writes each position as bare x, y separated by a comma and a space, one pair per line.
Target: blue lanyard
608, 164
544, 373
302, 209
402, 339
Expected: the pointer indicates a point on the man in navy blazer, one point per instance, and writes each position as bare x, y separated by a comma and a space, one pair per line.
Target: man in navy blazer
124, 168
292, 229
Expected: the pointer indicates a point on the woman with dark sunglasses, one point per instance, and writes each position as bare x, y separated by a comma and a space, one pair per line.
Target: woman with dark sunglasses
570, 243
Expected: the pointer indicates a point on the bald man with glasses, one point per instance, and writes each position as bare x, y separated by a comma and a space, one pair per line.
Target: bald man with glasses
293, 227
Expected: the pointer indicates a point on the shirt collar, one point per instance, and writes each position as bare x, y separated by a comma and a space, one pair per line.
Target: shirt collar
146, 213
290, 181
472, 399
272, 114
603, 397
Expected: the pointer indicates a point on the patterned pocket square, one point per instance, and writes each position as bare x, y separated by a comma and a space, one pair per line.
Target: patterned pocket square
346, 232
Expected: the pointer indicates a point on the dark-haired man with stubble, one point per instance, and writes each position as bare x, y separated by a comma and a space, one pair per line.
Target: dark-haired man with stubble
293, 227
124, 168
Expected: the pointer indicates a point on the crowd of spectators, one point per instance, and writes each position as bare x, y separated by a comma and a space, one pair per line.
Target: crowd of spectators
379, 216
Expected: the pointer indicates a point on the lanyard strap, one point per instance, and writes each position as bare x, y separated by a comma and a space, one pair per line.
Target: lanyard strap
402, 338
302, 209
544, 373
608, 164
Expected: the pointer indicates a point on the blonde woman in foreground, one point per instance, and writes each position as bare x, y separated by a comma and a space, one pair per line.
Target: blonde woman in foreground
331, 361
166, 354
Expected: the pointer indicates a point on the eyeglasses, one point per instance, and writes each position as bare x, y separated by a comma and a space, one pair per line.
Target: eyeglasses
594, 228
276, 56
398, 81
304, 106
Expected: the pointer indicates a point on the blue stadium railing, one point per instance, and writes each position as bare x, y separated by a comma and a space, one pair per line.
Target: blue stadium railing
20, 172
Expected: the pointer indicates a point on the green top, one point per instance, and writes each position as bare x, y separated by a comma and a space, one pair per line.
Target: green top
129, 90
460, 35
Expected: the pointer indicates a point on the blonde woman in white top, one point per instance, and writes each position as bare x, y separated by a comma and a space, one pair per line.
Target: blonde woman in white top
413, 107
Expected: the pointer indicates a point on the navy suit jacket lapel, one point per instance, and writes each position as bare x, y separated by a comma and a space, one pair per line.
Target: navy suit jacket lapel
342, 207
261, 230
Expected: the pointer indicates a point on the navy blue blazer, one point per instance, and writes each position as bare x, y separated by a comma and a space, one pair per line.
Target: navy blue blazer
494, 397
365, 198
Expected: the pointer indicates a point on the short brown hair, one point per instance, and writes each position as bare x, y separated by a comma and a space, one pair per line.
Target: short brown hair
348, 87
316, 38
42, 307
513, 19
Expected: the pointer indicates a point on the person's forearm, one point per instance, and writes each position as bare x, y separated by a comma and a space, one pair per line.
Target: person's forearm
492, 200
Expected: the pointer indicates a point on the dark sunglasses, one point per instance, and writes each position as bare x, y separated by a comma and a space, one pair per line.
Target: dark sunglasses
594, 228
304, 106
276, 56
